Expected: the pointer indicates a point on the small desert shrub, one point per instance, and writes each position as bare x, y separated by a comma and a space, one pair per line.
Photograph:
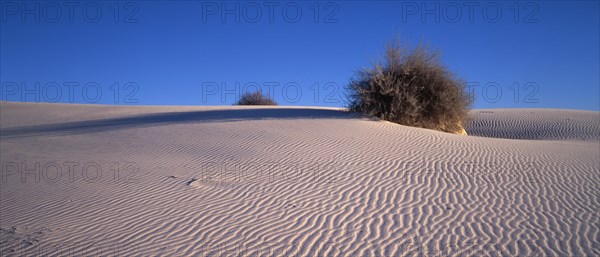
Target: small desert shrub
255, 98
411, 87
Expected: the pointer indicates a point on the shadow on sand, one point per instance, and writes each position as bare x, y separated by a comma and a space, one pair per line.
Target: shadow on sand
161, 119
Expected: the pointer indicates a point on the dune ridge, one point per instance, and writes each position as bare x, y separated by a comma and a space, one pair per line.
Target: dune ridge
295, 181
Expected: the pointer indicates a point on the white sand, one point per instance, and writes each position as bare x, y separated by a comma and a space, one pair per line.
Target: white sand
297, 182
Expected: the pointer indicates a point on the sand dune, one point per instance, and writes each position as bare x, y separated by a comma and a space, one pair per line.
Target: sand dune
294, 181
543, 124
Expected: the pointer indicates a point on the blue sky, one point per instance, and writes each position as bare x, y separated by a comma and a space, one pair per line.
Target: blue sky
512, 54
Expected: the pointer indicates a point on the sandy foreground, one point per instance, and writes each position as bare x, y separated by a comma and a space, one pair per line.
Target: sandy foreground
90, 180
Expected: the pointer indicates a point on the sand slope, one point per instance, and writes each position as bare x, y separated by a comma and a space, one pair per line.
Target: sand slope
542, 124
294, 181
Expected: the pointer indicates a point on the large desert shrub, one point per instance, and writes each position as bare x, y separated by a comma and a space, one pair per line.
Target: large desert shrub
411, 87
255, 98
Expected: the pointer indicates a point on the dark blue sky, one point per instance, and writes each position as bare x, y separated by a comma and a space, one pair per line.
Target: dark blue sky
513, 54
